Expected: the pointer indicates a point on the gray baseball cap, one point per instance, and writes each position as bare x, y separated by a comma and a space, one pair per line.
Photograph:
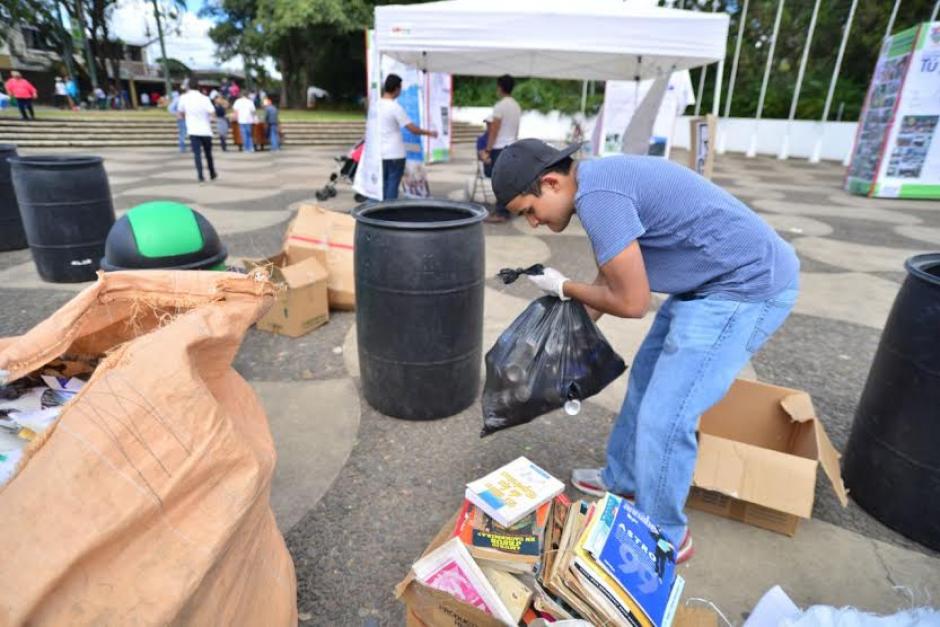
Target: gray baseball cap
521, 163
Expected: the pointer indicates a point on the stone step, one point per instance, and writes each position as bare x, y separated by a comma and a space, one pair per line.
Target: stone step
126, 132
158, 143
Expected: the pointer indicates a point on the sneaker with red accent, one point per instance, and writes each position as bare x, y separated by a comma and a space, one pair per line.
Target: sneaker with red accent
686, 550
591, 481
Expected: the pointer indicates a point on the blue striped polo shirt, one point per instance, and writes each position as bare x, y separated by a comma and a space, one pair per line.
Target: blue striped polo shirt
696, 238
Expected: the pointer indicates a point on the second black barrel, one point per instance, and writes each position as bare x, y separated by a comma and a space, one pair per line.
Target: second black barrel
12, 236
65, 202
419, 306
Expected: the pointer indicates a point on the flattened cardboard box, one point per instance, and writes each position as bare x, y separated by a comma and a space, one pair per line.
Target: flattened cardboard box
427, 607
758, 452
301, 304
329, 237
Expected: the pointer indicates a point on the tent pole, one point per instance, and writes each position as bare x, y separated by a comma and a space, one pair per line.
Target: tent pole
752, 149
583, 97
785, 148
817, 149
894, 14
734, 74
936, 10
716, 106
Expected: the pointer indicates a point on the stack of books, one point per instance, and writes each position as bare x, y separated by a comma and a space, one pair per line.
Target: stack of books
520, 551
612, 566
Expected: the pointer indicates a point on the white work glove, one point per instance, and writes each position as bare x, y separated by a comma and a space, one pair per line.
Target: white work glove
550, 282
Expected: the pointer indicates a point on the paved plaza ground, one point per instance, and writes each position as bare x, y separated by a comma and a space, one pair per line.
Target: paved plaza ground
358, 495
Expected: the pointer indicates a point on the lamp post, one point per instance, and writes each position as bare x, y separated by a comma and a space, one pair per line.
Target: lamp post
817, 149
752, 149
734, 74
785, 147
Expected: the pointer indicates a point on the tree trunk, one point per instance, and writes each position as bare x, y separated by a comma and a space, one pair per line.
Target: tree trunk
285, 103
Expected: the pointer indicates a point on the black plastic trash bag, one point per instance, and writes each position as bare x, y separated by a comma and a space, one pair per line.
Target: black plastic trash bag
552, 354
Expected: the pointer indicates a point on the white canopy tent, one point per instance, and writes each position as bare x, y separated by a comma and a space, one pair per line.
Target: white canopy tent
587, 40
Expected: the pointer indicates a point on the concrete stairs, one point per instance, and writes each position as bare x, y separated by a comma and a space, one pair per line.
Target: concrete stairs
116, 132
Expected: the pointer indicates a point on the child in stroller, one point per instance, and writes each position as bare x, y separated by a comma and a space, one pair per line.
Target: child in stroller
347, 171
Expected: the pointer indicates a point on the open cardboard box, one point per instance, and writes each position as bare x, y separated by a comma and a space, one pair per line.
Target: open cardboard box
300, 305
427, 607
329, 237
758, 452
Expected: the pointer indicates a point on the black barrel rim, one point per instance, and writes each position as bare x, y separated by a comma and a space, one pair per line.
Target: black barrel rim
919, 265
475, 213
55, 162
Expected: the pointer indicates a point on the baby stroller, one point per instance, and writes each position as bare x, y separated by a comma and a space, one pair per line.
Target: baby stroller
347, 171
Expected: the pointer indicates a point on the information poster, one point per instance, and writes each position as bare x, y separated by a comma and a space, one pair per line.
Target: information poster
621, 99
439, 102
368, 179
702, 153
896, 152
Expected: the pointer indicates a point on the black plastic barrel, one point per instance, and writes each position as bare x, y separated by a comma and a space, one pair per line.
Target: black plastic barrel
419, 306
12, 236
65, 202
892, 460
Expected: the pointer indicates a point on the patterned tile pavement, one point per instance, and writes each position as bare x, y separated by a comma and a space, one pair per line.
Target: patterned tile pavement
359, 494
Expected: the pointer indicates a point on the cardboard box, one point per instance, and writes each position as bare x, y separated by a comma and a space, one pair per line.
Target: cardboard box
300, 305
427, 607
758, 452
329, 237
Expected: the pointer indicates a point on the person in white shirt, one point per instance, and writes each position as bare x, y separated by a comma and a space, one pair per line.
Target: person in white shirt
196, 109
244, 116
392, 118
503, 130
61, 96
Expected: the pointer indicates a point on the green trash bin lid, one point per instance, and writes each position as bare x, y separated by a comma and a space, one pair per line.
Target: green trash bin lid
163, 228
163, 234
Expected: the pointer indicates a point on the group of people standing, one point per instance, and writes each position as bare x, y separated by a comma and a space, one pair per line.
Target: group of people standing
195, 112
502, 129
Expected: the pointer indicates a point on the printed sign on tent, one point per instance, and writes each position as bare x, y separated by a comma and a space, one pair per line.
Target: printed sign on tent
622, 98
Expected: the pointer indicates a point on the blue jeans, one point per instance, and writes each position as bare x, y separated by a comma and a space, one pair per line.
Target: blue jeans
273, 137
686, 364
181, 134
392, 171
247, 143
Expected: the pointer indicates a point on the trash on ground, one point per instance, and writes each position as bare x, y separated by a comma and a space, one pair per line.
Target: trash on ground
552, 356
301, 303
329, 237
776, 608
758, 451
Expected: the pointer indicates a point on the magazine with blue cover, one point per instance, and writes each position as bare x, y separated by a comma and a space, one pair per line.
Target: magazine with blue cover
643, 562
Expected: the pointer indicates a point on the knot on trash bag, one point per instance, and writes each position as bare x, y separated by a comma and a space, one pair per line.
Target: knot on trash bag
509, 275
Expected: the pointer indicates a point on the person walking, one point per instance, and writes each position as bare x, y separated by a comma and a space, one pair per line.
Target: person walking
71, 90
272, 119
244, 116
392, 118
24, 92
657, 226
234, 91
221, 120
503, 130
173, 109
60, 96
198, 111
